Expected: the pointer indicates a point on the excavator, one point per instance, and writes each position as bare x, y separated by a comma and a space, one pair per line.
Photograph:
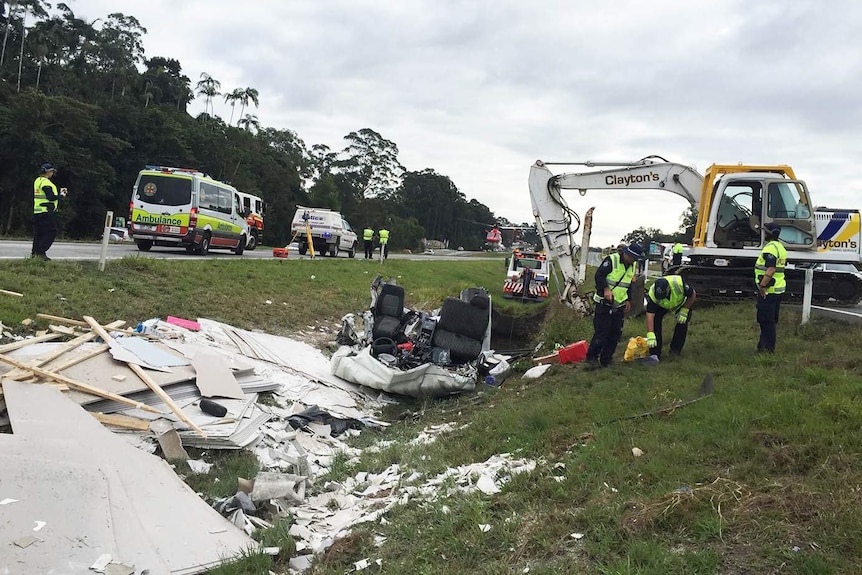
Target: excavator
733, 204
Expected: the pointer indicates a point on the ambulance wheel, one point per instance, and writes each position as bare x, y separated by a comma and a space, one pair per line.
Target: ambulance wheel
303, 249
252, 242
144, 245
204, 246
333, 251
240, 247
352, 251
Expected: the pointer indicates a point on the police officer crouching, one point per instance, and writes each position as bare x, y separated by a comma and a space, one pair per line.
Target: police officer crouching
769, 277
668, 294
613, 284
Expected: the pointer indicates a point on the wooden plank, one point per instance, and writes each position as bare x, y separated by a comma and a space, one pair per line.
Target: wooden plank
79, 385
82, 357
61, 319
139, 371
25, 342
7, 292
19, 374
123, 421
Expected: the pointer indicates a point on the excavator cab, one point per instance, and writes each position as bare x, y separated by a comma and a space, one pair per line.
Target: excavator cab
742, 202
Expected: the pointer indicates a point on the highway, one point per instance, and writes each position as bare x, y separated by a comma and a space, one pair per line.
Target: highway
17, 249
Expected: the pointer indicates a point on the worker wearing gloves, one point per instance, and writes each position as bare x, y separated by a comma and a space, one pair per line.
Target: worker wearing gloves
769, 278
669, 294
613, 284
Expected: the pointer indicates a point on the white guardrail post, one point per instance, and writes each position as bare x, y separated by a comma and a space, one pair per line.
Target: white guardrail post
106, 235
806, 295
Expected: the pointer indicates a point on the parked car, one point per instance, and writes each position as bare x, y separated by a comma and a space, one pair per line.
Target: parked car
119, 235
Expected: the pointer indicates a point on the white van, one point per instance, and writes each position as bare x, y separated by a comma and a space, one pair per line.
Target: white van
179, 207
330, 233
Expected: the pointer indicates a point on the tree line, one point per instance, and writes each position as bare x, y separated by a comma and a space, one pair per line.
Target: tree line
85, 97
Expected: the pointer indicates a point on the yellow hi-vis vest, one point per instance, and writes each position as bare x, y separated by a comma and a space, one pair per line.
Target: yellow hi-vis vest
367, 234
384, 236
40, 200
776, 249
675, 298
618, 280
677, 248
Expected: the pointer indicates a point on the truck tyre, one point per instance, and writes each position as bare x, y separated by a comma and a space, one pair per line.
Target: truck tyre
252, 242
240, 247
351, 253
303, 248
204, 246
144, 245
333, 251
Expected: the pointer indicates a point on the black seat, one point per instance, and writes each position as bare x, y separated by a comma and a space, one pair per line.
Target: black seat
388, 312
462, 326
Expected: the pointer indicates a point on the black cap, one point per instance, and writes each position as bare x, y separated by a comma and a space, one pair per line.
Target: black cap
634, 251
47, 168
772, 229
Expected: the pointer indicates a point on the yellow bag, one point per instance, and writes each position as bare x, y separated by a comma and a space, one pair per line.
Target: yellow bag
636, 348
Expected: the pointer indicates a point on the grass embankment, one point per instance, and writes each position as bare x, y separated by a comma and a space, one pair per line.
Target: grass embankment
762, 477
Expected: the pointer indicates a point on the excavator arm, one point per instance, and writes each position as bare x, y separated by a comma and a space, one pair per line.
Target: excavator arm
554, 218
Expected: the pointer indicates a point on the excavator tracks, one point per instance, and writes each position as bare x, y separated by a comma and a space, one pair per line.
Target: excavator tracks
733, 284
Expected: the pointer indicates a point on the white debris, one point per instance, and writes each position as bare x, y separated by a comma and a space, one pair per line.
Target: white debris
637, 452
536, 372
199, 465
484, 527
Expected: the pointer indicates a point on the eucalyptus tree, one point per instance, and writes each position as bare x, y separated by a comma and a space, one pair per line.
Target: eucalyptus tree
119, 49
371, 162
209, 87
21, 7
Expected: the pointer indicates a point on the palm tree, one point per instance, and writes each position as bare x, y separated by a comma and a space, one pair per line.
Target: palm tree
208, 86
246, 96
248, 122
233, 98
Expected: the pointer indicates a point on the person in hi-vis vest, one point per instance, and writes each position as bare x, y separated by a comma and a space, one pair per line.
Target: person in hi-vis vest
769, 278
613, 284
46, 201
669, 294
368, 241
383, 234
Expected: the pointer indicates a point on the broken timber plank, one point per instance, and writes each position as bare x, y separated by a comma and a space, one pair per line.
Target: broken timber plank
62, 319
123, 421
79, 385
25, 342
139, 371
19, 374
7, 292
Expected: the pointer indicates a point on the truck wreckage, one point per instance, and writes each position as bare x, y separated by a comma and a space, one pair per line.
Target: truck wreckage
413, 353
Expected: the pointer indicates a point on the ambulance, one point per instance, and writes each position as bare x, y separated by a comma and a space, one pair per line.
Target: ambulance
185, 208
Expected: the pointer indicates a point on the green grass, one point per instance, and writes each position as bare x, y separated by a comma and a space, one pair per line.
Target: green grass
763, 476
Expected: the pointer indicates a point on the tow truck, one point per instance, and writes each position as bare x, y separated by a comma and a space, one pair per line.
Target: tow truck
733, 202
526, 276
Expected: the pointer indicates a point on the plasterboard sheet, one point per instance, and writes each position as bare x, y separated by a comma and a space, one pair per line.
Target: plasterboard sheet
214, 377
172, 516
151, 353
60, 483
100, 370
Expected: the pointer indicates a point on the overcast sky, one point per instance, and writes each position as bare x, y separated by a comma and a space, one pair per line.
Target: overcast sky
480, 90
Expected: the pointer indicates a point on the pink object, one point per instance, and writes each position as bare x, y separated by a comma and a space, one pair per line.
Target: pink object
574, 352
186, 323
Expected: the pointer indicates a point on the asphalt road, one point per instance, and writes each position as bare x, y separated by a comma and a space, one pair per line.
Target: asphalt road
13, 250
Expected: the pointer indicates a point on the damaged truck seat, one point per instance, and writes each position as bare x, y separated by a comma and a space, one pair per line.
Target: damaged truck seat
462, 326
388, 312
